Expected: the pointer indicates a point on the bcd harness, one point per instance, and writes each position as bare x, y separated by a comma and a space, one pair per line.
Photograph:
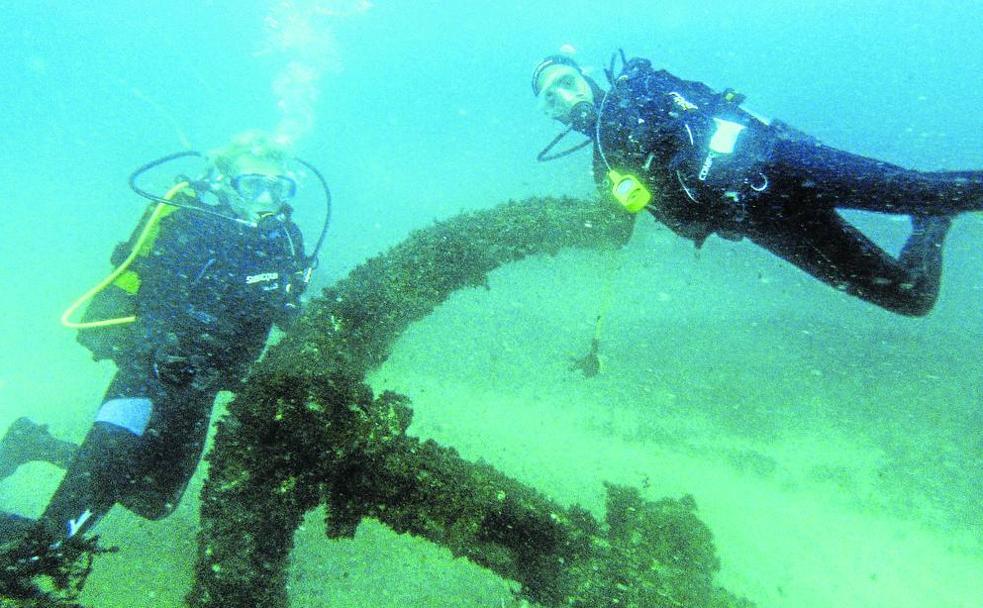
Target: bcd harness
719, 173
112, 303
718, 170
105, 325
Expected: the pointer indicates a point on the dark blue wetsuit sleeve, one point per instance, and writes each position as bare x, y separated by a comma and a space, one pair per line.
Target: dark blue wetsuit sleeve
181, 256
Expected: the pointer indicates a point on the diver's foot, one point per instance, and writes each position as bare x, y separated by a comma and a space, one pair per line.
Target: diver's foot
26, 441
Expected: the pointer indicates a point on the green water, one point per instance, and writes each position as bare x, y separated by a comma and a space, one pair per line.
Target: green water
834, 449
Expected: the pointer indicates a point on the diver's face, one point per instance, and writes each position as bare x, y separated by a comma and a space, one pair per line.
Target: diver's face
561, 89
262, 188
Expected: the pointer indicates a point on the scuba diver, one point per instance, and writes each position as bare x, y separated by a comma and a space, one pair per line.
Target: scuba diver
701, 164
212, 266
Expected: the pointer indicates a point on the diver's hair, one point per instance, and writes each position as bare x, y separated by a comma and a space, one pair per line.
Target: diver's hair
254, 144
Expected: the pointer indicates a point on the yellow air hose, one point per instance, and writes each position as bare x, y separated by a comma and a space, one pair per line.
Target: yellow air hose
149, 228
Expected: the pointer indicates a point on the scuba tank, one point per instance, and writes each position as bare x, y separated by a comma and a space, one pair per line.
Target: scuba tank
106, 328
111, 341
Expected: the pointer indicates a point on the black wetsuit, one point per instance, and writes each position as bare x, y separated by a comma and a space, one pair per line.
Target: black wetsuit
211, 289
778, 187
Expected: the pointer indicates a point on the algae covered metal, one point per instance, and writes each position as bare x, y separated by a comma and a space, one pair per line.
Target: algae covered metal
308, 431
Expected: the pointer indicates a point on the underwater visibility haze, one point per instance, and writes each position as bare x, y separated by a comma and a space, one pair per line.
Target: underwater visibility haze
832, 448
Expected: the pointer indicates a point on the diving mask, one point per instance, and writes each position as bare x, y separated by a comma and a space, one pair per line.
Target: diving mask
264, 189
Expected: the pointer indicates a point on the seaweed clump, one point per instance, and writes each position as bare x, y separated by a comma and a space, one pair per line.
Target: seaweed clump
50, 578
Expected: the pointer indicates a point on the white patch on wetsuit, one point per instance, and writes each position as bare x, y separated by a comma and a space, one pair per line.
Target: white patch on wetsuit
722, 143
130, 413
